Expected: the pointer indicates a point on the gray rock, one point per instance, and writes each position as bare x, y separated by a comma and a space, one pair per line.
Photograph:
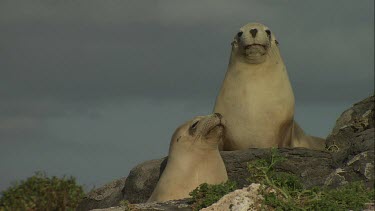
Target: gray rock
301, 162
353, 132
352, 145
179, 205
142, 180
108, 195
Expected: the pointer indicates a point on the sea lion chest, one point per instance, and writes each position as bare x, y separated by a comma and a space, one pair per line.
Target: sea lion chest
256, 101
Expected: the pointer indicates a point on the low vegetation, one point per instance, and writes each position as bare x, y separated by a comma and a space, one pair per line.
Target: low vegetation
40, 192
289, 194
281, 191
205, 195
284, 191
125, 205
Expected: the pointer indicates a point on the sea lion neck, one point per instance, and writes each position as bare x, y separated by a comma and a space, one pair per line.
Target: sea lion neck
199, 151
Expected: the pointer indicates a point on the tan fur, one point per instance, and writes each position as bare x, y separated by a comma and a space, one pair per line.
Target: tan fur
193, 159
256, 97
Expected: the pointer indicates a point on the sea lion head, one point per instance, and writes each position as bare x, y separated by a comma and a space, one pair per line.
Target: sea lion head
199, 133
253, 43
193, 159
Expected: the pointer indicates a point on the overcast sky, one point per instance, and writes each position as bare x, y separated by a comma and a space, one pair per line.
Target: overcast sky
91, 88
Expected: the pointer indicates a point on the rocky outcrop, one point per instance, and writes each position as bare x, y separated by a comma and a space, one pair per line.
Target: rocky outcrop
353, 132
107, 196
142, 180
350, 157
352, 145
302, 162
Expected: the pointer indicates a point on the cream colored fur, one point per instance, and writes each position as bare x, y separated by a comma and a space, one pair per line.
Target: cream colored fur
256, 97
193, 159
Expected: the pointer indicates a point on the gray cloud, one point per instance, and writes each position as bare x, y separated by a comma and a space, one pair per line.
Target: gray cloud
66, 50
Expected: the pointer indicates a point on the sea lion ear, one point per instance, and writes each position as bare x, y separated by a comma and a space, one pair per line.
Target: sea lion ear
277, 43
234, 43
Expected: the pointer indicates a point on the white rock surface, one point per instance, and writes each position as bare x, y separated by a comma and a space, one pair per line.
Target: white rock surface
244, 199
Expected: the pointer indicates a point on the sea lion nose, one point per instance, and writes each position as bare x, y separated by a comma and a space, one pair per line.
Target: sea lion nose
253, 32
219, 115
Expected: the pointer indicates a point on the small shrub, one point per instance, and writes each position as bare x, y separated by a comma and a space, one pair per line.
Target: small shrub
289, 193
205, 195
351, 196
42, 193
262, 171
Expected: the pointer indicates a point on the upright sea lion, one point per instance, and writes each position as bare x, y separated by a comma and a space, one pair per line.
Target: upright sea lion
256, 97
193, 159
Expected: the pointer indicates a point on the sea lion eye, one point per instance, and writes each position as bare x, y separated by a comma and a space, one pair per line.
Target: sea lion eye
239, 34
193, 126
268, 32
